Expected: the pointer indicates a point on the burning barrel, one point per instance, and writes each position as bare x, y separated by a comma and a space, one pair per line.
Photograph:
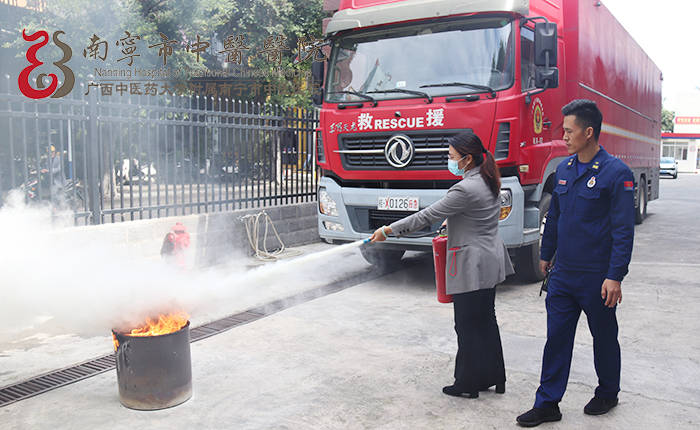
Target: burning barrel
154, 369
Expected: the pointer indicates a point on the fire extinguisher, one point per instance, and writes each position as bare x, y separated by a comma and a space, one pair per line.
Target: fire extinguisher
440, 258
175, 243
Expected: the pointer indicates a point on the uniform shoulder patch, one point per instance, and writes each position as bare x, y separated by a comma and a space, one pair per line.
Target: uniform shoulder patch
629, 185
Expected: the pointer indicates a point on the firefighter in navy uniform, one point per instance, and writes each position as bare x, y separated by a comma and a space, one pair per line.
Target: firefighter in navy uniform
590, 226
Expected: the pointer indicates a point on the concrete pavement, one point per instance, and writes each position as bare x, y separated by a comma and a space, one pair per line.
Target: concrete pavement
376, 355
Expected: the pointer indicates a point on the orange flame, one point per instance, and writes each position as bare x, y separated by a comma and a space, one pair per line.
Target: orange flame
165, 324
115, 341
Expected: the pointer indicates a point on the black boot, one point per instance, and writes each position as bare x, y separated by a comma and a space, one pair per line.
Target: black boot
453, 390
537, 416
500, 388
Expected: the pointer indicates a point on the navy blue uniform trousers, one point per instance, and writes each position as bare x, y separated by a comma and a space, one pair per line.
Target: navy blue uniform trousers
570, 292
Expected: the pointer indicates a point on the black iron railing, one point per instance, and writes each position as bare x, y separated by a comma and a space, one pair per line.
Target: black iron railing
135, 157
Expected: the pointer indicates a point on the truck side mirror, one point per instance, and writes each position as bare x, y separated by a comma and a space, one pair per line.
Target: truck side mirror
317, 98
317, 72
546, 77
547, 74
545, 44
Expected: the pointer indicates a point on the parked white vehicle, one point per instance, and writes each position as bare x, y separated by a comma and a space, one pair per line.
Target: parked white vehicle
129, 171
669, 167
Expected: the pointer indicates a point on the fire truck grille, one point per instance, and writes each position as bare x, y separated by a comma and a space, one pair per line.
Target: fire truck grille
365, 151
378, 218
366, 220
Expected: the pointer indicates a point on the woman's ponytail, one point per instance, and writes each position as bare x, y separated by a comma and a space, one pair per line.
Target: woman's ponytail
489, 171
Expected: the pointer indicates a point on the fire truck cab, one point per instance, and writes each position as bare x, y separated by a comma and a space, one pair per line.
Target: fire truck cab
405, 76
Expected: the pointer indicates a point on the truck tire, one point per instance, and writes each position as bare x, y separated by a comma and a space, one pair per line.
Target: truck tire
641, 210
527, 258
381, 257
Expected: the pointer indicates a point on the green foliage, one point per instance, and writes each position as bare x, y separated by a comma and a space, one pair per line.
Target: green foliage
183, 20
259, 20
79, 19
667, 120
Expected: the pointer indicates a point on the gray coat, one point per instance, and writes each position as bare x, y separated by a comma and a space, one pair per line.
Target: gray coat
477, 257
56, 171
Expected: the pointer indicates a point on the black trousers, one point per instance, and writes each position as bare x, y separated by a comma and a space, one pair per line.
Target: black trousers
479, 362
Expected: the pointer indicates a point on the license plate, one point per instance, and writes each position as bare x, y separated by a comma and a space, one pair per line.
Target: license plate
398, 204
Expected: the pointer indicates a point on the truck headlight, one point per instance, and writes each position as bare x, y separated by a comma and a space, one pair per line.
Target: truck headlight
326, 204
506, 198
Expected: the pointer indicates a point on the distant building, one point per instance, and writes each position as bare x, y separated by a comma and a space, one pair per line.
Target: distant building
683, 143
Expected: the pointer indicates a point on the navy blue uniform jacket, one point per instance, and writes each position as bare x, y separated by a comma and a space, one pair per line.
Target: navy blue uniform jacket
590, 223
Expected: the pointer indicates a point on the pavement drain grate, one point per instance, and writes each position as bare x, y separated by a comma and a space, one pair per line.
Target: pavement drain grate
62, 377
55, 379
59, 378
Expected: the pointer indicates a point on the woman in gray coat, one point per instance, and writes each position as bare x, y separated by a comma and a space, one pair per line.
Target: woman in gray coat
477, 260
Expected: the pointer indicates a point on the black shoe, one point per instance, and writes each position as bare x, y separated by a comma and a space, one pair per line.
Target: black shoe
453, 390
537, 416
599, 406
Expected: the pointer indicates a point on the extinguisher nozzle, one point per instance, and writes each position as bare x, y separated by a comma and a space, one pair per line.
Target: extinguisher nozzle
368, 240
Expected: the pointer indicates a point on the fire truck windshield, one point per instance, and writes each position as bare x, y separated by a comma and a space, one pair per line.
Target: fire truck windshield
478, 50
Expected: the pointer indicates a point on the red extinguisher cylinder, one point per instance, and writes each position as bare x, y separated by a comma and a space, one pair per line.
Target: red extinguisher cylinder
440, 259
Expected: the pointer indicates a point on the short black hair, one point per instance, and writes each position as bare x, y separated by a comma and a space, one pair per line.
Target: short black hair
587, 114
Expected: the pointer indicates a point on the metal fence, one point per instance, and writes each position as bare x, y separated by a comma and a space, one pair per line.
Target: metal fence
135, 157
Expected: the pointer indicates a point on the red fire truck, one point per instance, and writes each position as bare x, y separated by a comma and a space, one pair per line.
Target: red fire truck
405, 76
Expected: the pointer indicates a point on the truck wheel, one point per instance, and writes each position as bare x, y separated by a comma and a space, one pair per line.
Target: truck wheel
527, 258
641, 209
381, 257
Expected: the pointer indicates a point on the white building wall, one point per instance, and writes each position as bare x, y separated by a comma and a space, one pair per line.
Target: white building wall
685, 151
689, 162
690, 165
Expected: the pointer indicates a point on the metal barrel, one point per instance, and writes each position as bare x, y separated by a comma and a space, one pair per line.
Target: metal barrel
154, 372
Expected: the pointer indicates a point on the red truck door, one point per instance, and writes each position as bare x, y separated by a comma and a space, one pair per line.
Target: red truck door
541, 118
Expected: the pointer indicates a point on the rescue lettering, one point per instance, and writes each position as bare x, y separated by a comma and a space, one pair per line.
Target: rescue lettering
394, 123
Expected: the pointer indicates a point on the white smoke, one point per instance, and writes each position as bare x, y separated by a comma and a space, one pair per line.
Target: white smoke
57, 282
